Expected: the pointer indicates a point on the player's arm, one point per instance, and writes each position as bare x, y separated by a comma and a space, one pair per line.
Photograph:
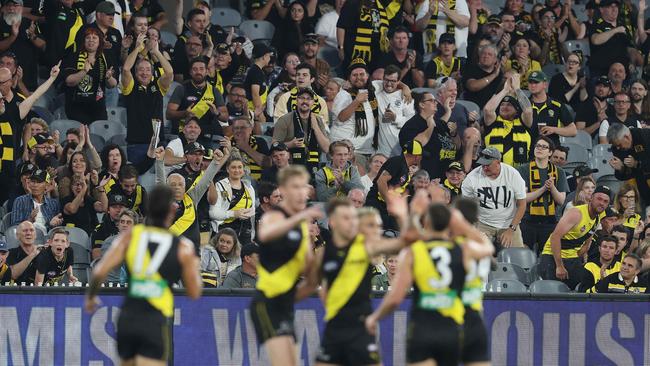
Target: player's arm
113, 259
313, 277
274, 225
190, 269
402, 284
477, 245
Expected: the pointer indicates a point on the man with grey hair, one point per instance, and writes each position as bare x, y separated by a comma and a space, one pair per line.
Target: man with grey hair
357, 197
484, 79
631, 156
21, 258
448, 90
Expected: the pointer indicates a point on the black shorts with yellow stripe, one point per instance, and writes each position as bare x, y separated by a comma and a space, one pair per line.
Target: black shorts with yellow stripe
432, 336
350, 345
475, 338
146, 334
272, 317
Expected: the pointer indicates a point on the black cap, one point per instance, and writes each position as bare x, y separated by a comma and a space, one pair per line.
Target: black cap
358, 63
488, 155
278, 146
239, 39
494, 19
413, 147
106, 7
249, 249
583, 171
261, 49
311, 38
222, 48
591, 4
40, 175
26, 168
604, 189
456, 165
611, 212
194, 147
603, 80
117, 199
40, 139
513, 101
447, 38
604, 3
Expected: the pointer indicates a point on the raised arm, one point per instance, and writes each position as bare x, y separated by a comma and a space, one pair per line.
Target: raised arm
201, 187
27, 104
490, 108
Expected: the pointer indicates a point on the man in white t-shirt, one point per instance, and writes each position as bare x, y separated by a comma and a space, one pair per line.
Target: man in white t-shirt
175, 150
326, 25
501, 193
435, 18
394, 111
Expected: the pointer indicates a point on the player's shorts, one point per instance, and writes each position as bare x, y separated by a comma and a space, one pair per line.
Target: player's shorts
434, 337
349, 346
272, 317
475, 338
146, 334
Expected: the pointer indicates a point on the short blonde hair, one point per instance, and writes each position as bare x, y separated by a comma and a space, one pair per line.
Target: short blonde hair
291, 171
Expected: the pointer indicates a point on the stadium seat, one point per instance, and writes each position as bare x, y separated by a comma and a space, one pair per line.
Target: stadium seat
81, 254
257, 29
148, 180
6, 222
507, 286
76, 235
581, 138
523, 257
12, 238
424, 90
602, 150
107, 128
508, 271
602, 164
59, 113
533, 274
98, 141
82, 272
168, 38
119, 140
62, 125
266, 126
117, 114
581, 45
610, 181
225, 17
267, 139
331, 55
552, 69
577, 153
44, 113
548, 287
471, 106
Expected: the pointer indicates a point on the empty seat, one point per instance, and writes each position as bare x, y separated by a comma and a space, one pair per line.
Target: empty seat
523, 257
470, 106
147, 180
117, 114
97, 141
62, 125
168, 38
581, 138
602, 164
43, 113
508, 286
6, 222
81, 254
610, 181
577, 153
552, 69
533, 274
548, 287
119, 139
581, 45
508, 271
107, 128
331, 55
257, 29
225, 17
602, 150
82, 272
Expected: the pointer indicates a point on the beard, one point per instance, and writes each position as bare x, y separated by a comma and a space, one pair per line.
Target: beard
12, 19
46, 161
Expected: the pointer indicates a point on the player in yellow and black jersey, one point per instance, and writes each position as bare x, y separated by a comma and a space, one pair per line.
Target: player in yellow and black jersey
345, 266
436, 267
285, 252
155, 259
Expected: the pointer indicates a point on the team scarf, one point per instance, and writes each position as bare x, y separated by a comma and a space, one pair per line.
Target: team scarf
553, 49
372, 18
536, 207
430, 34
360, 118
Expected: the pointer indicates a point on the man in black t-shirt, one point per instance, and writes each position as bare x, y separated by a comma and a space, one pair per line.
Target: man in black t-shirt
5, 270
596, 109
116, 204
194, 27
21, 258
395, 176
256, 82
409, 61
194, 153
56, 260
610, 40
483, 80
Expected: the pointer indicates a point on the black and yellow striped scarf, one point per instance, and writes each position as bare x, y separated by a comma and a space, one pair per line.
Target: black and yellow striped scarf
372, 19
430, 35
360, 118
292, 102
554, 55
538, 206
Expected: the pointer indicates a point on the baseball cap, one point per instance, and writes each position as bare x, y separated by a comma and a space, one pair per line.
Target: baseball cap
456, 165
194, 147
311, 38
413, 147
488, 155
239, 39
117, 199
3, 245
603, 80
610, 212
249, 249
447, 38
39, 139
583, 171
40, 175
494, 19
260, 49
604, 3
537, 76
17, 2
604, 189
26, 168
106, 7
358, 63
512, 100
222, 48
278, 146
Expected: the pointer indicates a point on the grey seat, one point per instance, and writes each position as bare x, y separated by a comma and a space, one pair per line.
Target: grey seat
523, 257
81, 254
107, 128
470, 106
117, 114
552, 69
581, 138
508, 271
98, 141
533, 274
548, 287
257, 29
6, 222
581, 45
43, 113
225, 17
577, 153
82, 272
62, 125
507, 286
76, 235
331, 55
610, 181
168, 38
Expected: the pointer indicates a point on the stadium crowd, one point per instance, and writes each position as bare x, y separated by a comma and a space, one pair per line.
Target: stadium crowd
539, 115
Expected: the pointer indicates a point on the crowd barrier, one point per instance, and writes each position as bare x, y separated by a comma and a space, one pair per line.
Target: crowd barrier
49, 327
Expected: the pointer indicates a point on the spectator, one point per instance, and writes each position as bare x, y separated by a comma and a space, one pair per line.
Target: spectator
624, 237
21, 258
502, 198
484, 79
625, 281
144, 97
35, 206
128, 186
394, 175
617, 76
607, 223
152, 10
332, 89
77, 167
181, 62
550, 117
253, 149
508, 128
190, 43
113, 157
80, 209
376, 162
221, 68
420, 180
310, 47
409, 64
395, 107
235, 207
560, 156
640, 100
303, 133
584, 189
630, 160
293, 29
594, 111
551, 37
326, 25
382, 282
220, 257
445, 63
5, 270
87, 74
127, 220
362, 35
269, 196
197, 97
627, 203
191, 170
435, 20
454, 178
357, 197
305, 78
244, 276
622, 114
338, 176
109, 225
256, 83
570, 86
562, 255
609, 40
279, 159
55, 260
175, 150
521, 63
603, 266
23, 39
546, 191
63, 19
237, 106
42, 151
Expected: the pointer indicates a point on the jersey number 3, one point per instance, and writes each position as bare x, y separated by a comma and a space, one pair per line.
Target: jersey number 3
442, 260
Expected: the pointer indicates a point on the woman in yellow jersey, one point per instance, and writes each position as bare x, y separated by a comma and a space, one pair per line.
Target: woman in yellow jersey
628, 206
521, 62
